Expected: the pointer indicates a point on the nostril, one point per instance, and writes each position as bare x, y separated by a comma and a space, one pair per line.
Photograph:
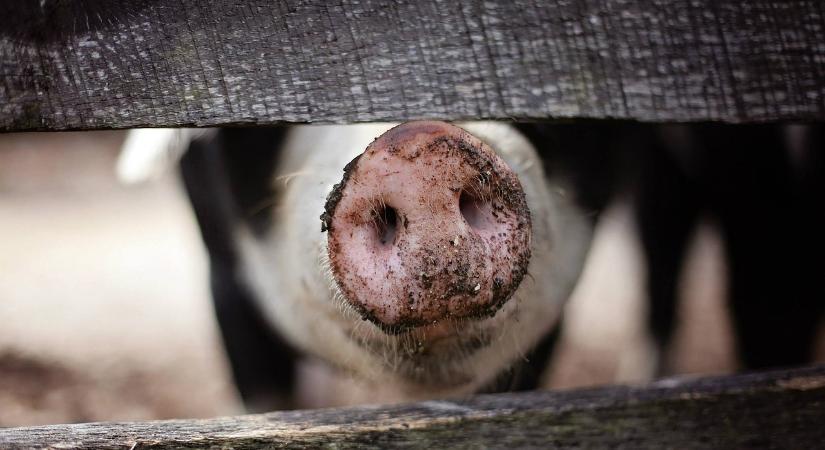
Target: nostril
386, 224
428, 225
475, 209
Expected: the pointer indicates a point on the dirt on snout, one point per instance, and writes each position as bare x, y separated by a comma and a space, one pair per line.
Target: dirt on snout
423, 172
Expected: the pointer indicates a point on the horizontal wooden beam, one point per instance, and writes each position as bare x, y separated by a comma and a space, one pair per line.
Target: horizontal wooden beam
781, 409
97, 64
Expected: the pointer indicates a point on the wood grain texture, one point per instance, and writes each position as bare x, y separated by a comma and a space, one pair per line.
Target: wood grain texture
92, 64
783, 409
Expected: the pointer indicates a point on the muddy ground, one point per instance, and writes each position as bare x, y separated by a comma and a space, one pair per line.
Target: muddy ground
105, 314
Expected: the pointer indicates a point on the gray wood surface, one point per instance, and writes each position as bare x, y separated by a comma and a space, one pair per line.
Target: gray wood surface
784, 409
92, 64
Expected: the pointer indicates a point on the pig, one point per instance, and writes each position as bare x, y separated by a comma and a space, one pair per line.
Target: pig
426, 259
262, 197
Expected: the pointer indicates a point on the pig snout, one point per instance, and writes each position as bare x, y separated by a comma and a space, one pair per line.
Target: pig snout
428, 224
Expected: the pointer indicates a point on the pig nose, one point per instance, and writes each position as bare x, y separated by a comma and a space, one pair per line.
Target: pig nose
428, 224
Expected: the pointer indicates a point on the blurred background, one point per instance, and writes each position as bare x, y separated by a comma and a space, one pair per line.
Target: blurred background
105, 311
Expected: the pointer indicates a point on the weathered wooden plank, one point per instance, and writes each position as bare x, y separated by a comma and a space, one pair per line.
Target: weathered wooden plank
784, 409
90, 64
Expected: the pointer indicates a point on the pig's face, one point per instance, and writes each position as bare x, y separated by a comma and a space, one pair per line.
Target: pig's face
446, 253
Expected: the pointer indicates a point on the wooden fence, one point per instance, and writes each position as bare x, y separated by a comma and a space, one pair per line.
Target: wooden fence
100, 64
784, 409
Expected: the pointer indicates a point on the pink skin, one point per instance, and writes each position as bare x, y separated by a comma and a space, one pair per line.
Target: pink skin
428, 224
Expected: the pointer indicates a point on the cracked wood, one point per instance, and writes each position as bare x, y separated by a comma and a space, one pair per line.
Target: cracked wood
780, 409
98, 64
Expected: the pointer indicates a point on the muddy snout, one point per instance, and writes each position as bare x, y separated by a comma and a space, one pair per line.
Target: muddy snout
427, 225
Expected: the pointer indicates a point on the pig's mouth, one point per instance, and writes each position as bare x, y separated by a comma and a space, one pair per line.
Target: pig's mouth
433, 355
437, 355
425, 339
